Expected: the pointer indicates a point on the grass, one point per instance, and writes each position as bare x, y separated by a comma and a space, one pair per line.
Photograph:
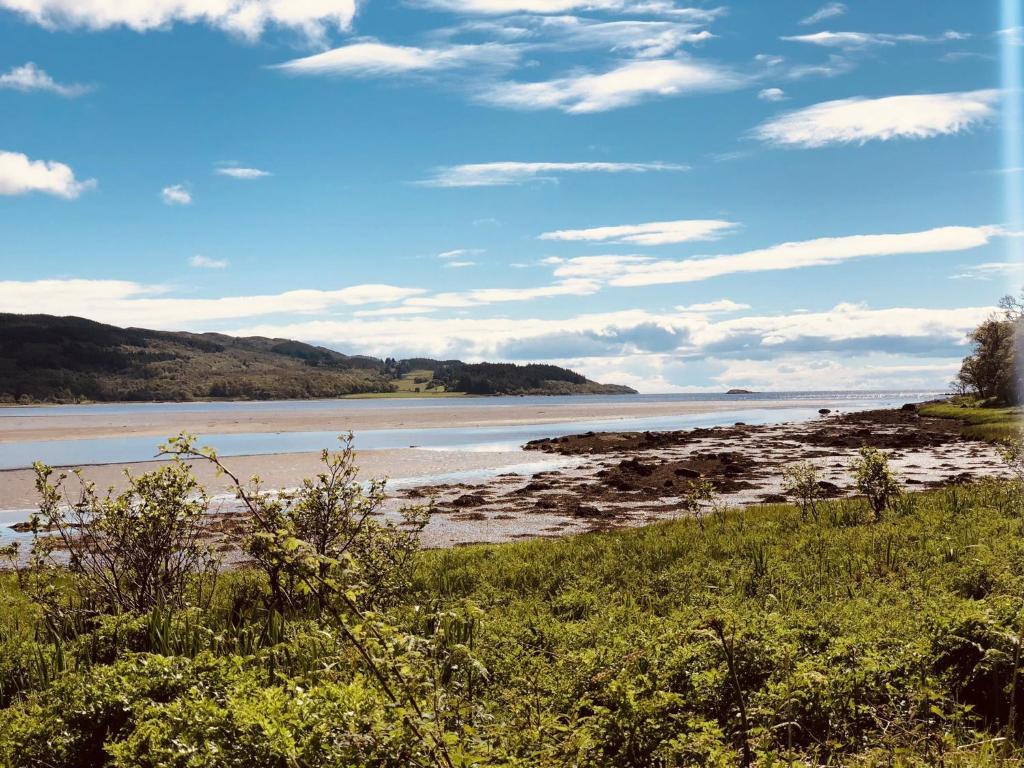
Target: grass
844, 641
408, 386
979, 422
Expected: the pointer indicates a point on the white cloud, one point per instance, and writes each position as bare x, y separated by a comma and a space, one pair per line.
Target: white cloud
246, 18
393, 311
459, 264
853, 40
859, 120
239, 172
507, 173
829, 11
651, 233
806, 253
132, 304
482, 296
1012, 35
771, 94
864, 372
713, 307
20, 175
594, 267
455, 253
372, 58
988, 270
204, 262
176, 194
29, 77
623, 86
616, 338
646, 38
505, 7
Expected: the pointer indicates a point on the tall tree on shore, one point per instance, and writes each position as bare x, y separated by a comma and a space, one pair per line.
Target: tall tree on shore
990, 370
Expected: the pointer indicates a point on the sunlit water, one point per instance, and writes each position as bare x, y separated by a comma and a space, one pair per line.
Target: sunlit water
110, 450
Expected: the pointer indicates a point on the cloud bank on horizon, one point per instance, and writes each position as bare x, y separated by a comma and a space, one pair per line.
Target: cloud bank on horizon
671, 196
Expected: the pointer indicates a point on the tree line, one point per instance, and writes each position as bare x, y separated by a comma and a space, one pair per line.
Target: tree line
991, 371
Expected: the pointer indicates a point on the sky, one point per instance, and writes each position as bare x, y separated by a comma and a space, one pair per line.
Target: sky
678, 197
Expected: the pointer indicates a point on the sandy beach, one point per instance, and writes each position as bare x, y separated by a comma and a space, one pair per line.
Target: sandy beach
330, 417
17, 489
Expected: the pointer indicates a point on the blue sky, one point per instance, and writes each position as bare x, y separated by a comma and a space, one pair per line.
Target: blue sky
788, 195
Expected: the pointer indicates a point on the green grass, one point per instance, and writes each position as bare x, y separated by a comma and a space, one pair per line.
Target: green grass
408, 386
852, 642
979, 422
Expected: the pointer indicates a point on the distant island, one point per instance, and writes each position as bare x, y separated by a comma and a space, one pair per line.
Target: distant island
740, 392
51, 359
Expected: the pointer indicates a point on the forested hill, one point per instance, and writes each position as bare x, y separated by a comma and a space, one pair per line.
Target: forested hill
66, 359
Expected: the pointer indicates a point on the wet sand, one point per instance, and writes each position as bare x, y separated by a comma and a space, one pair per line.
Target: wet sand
17, 489
334, 418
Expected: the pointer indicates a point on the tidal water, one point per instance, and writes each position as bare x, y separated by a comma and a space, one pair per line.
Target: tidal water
108, 450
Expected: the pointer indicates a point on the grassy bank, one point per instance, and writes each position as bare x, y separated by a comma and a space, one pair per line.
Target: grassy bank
830, 641
979, 423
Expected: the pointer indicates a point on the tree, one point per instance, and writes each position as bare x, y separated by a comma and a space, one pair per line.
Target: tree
876, 480
990, 370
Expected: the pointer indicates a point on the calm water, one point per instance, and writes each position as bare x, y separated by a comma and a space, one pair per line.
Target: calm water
876, 399
129, 449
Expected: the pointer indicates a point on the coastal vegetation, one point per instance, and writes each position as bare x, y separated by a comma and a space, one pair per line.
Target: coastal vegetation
991, 372
68, 359
879, 630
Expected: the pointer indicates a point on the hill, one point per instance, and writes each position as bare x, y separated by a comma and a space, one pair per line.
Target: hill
67, 359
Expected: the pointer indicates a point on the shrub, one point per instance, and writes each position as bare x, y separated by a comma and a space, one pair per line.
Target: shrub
876, 480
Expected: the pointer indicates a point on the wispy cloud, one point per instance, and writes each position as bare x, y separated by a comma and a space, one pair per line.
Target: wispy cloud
989, 270
28, 77
721, 306
176, 194
249, 19
853, 40
771, 94
829, 11
372, 58
595, 267
859, 120
644, 38
793, 255
240, 172
457, 253
204, 262
459, 264
624, 85
20, 175
651, 233
1012, 35
484, 296
502, 174
506, 7
129, 303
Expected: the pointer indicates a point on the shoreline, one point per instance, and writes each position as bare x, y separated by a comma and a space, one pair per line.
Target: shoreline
593, 481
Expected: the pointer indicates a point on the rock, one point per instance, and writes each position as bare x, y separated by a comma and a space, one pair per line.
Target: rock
824, 411
469, 500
